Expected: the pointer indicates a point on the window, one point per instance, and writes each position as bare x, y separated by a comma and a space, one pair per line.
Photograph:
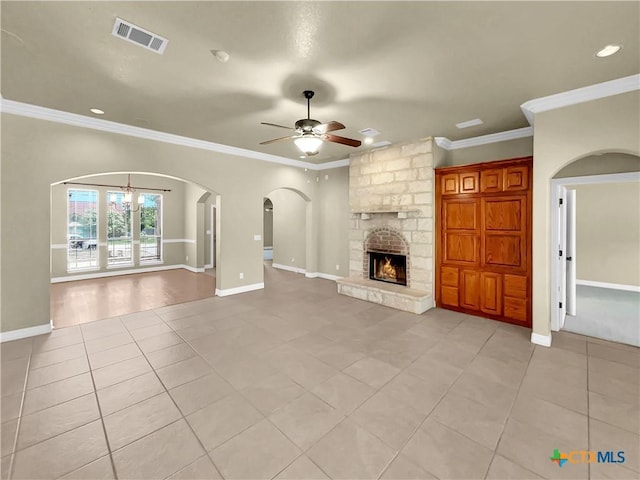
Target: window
151, 228
82, 229
119, 241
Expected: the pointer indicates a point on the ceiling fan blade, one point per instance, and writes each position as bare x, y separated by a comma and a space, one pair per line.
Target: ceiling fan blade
343, 140
328, 127
275, 125
278, 139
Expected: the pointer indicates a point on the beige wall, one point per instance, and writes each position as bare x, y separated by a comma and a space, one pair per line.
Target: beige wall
562, 136
519, 147
173, 211
608, 232
36, 154
335, 215
611, 162
209, 230
289, 228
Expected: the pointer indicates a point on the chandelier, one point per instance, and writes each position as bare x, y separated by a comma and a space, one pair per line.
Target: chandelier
127, 200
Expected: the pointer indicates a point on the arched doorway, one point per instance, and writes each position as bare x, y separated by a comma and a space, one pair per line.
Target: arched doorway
596, 228
136, 239
287, 222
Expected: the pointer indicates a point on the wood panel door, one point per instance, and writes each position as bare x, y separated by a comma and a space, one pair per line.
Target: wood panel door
461, 228
491, 293
504, 231
483, 247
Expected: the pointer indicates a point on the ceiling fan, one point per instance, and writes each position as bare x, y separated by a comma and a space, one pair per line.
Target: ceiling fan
309, 133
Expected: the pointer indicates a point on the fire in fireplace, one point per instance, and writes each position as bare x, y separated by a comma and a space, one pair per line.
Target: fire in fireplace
388, 267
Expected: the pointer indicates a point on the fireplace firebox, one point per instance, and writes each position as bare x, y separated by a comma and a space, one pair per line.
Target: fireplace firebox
388, 267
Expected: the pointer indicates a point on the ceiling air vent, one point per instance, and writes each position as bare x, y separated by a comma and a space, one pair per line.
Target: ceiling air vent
134, 34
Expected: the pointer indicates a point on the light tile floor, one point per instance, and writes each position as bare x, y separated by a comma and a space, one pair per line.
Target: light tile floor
295, 381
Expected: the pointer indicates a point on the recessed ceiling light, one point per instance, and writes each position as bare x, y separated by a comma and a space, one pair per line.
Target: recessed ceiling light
368, 140
381, 143
97, 111
221, 55
608, 51
469, 123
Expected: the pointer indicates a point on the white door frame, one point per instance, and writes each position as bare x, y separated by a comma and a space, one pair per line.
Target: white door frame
570, 253
557, 233
212, 223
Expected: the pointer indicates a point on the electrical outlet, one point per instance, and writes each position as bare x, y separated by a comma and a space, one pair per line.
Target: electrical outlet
187, 258
293, 260
241, 275
337, 267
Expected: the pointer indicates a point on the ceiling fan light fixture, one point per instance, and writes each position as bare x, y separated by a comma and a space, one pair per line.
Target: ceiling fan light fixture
308, 144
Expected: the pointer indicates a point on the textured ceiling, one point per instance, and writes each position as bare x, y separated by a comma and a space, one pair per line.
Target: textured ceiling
406, 69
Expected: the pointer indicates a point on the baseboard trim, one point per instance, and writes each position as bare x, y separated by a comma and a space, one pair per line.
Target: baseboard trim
326, 276
612, 286
544, 340
193, 269
234, 291
115, 273
26, 332
288, 268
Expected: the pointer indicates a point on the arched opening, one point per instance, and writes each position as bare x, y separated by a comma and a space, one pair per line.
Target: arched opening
286, 228
124, 242
267, 230
596, 227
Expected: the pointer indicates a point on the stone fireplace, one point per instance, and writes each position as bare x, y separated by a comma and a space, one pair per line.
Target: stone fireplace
391, 235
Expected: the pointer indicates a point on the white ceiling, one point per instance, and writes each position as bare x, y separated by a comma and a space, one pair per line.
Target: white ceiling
406, 69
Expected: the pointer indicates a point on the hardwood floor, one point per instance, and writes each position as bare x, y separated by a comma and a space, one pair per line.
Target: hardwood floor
83, 301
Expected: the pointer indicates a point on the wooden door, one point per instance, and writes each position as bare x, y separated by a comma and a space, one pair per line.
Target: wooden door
491, 293
504, 221
461, 226
470, 289
483, 248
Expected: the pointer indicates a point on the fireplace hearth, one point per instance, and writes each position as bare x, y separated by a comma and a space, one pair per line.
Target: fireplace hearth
388, 267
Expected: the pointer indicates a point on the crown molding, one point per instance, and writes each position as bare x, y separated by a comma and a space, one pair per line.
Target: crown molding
543, 104
74, 119
580, 95
335, 164
443, 142
529, 109
447, 144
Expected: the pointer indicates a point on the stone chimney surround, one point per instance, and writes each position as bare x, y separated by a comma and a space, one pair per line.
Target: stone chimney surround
391, 190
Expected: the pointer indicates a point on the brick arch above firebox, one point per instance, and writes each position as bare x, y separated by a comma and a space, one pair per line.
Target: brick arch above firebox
386, 240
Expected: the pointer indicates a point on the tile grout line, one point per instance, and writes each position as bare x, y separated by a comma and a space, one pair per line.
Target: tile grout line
166, 390
265, 417
95, 392
408, 439
495, 450
19, 422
